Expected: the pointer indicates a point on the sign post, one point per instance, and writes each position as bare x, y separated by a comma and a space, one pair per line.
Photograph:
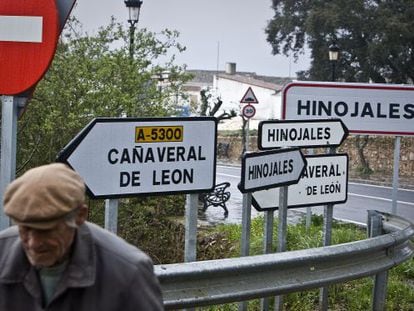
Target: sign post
123, 157
28, 38
9, 114
248, 112
262, 170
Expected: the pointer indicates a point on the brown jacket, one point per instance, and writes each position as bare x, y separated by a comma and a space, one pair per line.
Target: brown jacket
104, 273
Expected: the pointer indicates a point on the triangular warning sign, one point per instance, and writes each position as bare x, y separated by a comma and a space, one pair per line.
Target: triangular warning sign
249, 97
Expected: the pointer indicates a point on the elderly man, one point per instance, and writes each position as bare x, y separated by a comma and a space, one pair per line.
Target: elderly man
55, 260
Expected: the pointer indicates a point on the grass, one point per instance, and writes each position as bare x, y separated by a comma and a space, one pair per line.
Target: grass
146, 222
354, 295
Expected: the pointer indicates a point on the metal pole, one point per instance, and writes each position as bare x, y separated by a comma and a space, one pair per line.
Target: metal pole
327, 238
247, 135
268, 232
246, 211
245, 236
190, 247
131, 39
9, 112
395, 177
246, 223
111, 215
282, 231
379, 292
246, 220
267, 246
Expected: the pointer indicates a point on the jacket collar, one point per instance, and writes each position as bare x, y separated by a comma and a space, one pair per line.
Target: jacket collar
81, 271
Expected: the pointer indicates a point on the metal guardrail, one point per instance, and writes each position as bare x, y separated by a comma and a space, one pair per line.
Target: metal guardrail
220, 281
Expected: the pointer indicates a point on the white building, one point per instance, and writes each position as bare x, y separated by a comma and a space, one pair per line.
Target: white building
231, 86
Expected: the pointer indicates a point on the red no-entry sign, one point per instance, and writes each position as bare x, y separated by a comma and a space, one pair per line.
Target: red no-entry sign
29, 32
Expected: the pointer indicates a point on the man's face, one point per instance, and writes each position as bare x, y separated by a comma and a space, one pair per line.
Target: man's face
46, 248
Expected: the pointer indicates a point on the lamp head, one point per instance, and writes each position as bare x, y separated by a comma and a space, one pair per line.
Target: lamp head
333, 52
134, 7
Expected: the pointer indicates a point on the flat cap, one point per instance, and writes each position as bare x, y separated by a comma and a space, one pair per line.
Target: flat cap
42, 196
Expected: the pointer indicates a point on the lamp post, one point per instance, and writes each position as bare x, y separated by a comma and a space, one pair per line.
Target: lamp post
333, 57
134, 7
161, 77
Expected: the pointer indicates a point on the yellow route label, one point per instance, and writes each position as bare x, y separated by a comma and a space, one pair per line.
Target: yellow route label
158, 134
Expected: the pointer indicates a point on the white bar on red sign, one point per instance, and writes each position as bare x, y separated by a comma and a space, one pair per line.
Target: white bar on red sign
21, 28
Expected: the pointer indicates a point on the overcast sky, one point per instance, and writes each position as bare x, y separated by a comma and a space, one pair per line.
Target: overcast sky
215, 31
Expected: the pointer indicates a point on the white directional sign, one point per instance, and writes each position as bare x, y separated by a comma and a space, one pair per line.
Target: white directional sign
262, 170
122, 157
364, 108
301, 133
324, 181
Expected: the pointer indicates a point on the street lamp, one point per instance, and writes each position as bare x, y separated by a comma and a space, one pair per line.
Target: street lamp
333, 57
161, 77
134, 7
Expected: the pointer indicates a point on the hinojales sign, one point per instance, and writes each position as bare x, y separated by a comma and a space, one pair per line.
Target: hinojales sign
267, 169
123, 156
378, 109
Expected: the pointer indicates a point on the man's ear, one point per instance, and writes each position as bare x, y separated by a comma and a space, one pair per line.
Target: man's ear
82, 214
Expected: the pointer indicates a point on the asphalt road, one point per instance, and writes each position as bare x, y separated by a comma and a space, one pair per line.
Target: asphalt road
361, 197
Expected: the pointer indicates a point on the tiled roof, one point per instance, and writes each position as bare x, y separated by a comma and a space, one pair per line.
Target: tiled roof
256, 81
206, 77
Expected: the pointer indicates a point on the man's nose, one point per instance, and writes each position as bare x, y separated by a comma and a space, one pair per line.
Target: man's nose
34, 240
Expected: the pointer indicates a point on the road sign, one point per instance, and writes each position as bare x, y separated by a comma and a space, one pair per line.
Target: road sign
301, 133
324, 181
28, 37
263, 170
123, 157
379, 109
249, 97
249, 111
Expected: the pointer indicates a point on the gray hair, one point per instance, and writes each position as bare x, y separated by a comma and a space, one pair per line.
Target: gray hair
70, 219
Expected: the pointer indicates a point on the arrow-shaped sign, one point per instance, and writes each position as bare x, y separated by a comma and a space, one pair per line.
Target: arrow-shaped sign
121, 157
263, 170
324, 181
301, 133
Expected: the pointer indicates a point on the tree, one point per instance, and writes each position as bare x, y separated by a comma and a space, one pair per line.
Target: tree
211, 105
375, 37
94, 76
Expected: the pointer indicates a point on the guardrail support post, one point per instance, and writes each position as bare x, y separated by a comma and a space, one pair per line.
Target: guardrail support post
379, 292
